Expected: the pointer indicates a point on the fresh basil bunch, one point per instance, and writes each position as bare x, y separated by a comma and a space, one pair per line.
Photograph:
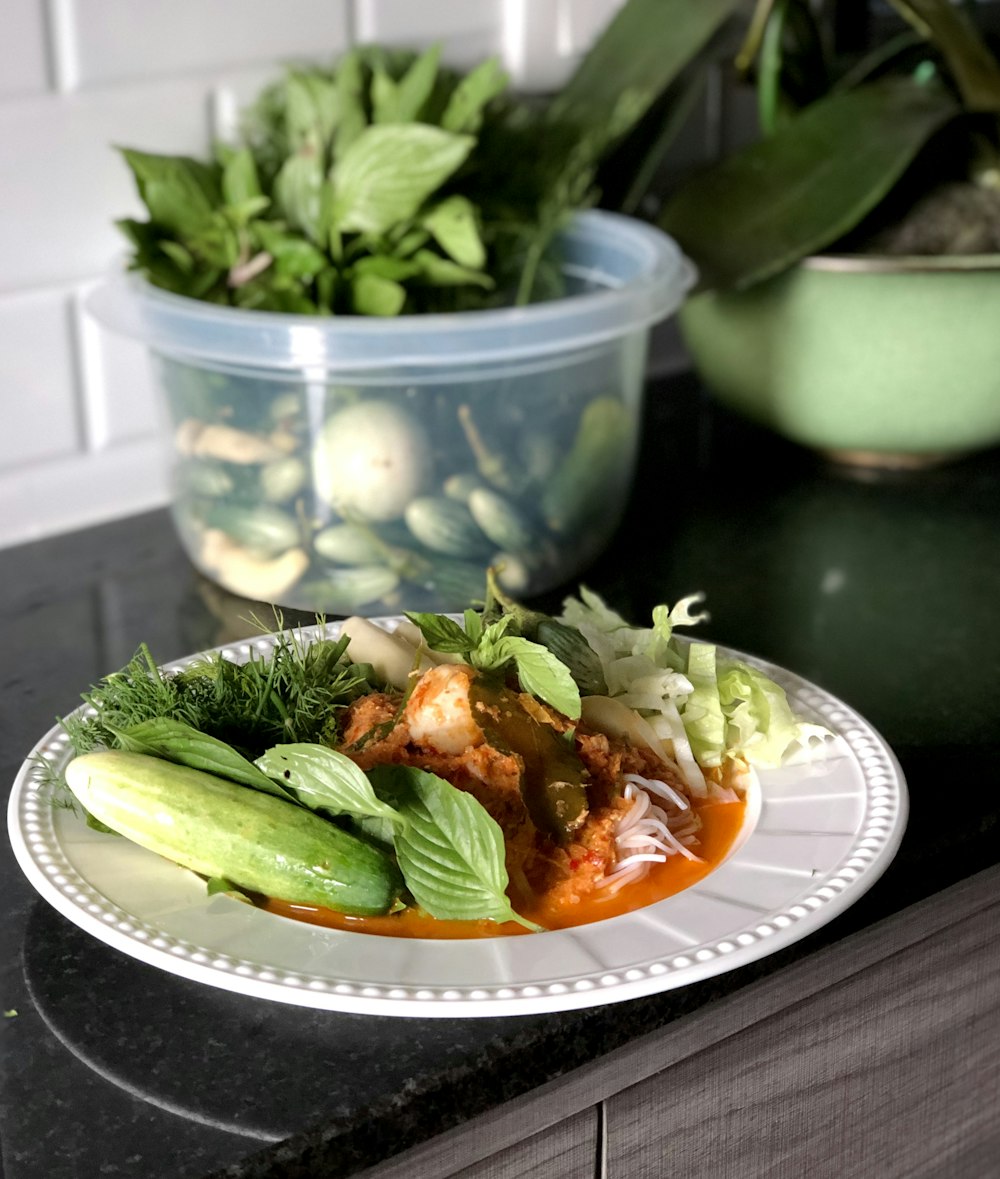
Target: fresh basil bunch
381, 186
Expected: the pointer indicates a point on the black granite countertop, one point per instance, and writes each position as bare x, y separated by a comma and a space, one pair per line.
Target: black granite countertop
883, 589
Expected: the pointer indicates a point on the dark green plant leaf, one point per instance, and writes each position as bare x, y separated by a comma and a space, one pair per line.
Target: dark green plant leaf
389, 171
638, 55
760, 211
970, 60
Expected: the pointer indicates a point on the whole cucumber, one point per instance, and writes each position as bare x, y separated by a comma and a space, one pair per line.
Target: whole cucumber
216, 828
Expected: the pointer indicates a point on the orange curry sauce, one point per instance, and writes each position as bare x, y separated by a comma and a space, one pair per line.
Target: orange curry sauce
721, 823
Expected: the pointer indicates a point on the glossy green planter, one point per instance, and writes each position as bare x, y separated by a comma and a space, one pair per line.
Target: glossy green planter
882, 361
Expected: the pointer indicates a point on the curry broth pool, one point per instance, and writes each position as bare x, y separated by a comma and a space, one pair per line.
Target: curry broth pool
721, 826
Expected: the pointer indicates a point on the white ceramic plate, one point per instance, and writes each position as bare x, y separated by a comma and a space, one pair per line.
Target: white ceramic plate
817, 836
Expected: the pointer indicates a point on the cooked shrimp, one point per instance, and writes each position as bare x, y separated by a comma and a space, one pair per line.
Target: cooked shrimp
439, 713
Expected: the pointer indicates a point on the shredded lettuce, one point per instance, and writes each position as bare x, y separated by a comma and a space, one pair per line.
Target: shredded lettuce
761, 723
709, 709
703, 717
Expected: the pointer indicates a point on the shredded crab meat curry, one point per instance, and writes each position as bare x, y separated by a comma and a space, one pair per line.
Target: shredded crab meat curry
556, 791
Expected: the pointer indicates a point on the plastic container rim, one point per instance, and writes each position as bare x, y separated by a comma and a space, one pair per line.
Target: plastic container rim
129, 305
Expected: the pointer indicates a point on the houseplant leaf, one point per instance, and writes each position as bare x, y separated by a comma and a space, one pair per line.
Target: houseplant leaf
973, 66
761, 210
646, 45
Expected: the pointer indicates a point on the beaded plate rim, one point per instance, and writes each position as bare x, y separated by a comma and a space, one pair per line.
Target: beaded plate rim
864, 767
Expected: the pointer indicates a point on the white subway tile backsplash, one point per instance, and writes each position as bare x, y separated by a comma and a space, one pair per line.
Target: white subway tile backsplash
48, 498
118, 390
80, 441
544, 40
469, 29
23, 60
63, 184
41, 416
120, 39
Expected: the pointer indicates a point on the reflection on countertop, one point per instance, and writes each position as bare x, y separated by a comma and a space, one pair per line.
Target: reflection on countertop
882, 589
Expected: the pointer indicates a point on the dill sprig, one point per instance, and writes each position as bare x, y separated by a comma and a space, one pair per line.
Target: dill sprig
295, 693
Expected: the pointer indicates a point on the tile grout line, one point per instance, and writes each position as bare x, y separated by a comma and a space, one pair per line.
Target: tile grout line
60, 36
91, 420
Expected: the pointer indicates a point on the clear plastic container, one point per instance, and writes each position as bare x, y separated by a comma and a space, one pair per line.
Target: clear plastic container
363, 465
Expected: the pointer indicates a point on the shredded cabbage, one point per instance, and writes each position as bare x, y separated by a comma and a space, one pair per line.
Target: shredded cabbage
709, 709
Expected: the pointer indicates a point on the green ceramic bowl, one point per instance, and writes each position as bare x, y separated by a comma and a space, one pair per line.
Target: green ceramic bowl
892, 361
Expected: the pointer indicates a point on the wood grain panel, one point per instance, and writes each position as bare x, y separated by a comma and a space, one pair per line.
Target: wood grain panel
891, 1074
565, 1151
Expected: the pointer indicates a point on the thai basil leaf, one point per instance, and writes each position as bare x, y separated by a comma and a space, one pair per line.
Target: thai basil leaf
410, 242
386, 266
383, 95
450, 851
443, 272
464, 112
292, 255
352, 119
178, 254
311, 111
186, 746
473, 626
389, 171
244, 212
327, 282
441, 633
180, 193
414, 88
323, 779
373, 295
453, 226
219, 884
298, 191
240, 182
541, 673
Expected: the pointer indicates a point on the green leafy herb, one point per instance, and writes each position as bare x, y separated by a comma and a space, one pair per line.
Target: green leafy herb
294, 694
490, 649
186, 746
450, 851
541, 673
390, 156
389, 171
219, 884
323, 779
